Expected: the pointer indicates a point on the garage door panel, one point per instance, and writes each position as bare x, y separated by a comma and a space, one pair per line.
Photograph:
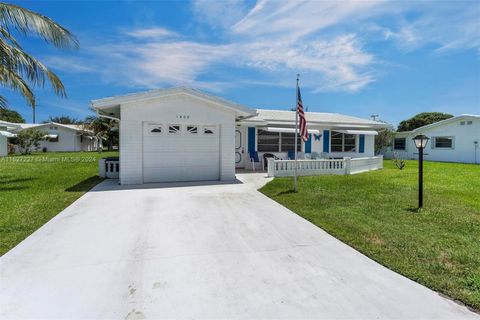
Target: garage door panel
181, 157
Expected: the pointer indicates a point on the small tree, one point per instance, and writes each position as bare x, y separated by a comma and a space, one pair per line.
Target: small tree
384, 139
29, 140
422, 119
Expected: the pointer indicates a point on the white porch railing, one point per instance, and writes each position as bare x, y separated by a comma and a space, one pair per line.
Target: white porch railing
109, 168
286, 168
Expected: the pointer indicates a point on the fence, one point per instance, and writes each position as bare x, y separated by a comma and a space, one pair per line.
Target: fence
286, 168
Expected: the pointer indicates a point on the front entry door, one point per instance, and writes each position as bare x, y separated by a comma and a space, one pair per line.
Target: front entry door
239, 147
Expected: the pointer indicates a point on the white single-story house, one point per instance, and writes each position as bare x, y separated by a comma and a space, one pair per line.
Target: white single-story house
182, 134
6, 129
63, 137
452, 140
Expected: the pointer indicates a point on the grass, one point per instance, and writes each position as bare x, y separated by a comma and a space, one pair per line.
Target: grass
34, 188
375, 212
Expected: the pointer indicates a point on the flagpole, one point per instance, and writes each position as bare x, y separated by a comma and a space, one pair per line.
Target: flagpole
296, 138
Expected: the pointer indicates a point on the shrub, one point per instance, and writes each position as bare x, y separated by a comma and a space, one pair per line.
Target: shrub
29, 140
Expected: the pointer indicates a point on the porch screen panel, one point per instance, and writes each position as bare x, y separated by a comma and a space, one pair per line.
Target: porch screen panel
343, 142
337, 141
349, 142
288, 142
268, 141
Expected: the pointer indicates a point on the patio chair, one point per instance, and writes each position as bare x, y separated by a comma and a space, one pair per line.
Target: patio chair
266, 156
253, 158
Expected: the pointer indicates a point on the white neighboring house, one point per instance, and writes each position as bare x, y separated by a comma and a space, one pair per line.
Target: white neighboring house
64, 137
182, 134
6, 129
452, 140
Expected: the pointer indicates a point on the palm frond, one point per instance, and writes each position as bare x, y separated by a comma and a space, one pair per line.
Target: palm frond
12, 80
28, 22
14, 60
3, 103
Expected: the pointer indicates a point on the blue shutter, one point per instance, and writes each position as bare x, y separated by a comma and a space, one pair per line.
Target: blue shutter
308, 144
361, 141
251, 139
326, 141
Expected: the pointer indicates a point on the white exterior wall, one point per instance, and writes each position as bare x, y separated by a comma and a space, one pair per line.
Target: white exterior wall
463, 145
176, 109
317, 146
68, 140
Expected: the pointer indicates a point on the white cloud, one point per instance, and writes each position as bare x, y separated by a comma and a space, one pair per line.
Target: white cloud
219, 14
151, 33
294, 19
67, 64
325, 41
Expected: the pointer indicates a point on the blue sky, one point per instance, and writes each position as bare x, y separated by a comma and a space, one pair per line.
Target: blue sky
393, 59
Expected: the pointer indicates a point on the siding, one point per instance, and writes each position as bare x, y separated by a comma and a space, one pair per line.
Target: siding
178, 109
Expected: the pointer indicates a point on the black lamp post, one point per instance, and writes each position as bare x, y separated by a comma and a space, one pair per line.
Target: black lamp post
420, 142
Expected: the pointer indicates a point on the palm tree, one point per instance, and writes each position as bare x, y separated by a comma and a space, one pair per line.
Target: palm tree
104, 129
20, 71
63, 120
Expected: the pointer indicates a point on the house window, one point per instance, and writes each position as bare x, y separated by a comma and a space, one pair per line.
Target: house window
268, 141
462, 123
469, 123
399, 143
444, 142
209, 130
53, 138
156, 129
174, 129
277, 142
343, 142
287, 142
192, 129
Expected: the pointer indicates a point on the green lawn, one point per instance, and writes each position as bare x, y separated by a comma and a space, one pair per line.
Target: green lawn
374, 212
34, 188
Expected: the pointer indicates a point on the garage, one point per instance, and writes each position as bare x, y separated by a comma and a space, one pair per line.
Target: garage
173, 152
176, 134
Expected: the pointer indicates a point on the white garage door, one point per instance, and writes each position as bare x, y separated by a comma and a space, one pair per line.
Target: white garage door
180, 152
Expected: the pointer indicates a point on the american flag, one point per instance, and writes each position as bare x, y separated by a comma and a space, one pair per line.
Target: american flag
301, 116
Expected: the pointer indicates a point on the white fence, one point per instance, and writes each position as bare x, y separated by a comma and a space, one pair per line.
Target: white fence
109, 168
286, 168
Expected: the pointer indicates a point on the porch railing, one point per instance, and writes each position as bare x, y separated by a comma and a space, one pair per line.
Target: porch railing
109, 168
286, 168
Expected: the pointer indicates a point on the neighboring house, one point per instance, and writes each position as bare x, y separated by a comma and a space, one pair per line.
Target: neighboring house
452, 140
64, 137
182, 134
6, 129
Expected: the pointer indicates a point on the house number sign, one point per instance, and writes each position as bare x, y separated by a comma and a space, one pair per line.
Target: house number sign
183, 116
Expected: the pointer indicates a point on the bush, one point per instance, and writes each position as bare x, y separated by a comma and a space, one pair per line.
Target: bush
29, 140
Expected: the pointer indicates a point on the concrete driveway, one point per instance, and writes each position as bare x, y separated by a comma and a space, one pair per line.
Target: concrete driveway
204, 251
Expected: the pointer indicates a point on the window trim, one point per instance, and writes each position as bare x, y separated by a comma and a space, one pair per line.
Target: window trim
355, 148
280, 148
444, 148
211, 128
190, 127
404, 145
174, 125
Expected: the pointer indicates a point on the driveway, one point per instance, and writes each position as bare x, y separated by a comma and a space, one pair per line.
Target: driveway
199, 251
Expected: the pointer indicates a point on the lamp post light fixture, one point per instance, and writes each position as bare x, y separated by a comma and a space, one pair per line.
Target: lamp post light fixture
420, 142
